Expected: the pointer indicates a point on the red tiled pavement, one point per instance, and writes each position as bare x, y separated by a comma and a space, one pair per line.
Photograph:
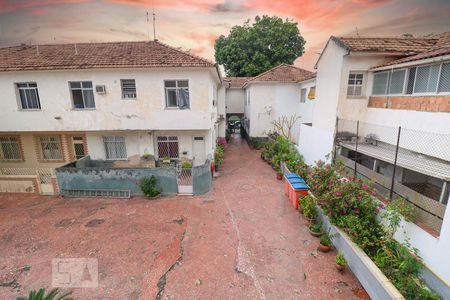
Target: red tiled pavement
243, 240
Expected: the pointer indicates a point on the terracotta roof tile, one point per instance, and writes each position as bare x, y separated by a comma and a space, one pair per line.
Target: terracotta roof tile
395, 45
146, 54
236, 82
284, 73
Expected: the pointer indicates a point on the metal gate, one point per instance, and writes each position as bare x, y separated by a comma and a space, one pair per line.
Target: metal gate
184, 180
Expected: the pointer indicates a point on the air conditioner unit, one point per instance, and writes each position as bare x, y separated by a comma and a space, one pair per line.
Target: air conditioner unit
100, 89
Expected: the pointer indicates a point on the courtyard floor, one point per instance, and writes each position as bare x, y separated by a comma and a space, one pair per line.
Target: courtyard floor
242, 240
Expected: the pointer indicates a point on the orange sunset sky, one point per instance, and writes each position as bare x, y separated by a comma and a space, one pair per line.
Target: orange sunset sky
195, 24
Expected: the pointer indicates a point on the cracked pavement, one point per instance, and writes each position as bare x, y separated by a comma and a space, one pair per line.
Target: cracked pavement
242, 240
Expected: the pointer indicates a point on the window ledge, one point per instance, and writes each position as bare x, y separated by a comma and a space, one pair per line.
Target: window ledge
29, 109
81, 109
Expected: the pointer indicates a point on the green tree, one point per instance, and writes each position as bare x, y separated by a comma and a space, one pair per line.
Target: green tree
255, 48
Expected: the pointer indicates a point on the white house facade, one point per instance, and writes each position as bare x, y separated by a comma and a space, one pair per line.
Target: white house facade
284, 91
112, 101
366, 89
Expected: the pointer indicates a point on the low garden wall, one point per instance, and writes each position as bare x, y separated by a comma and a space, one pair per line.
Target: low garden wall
202, 178
87, 174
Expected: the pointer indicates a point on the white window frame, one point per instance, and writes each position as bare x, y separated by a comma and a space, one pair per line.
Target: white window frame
438, 79
303, 95
81, 88
57, 141
114, 140
387, 83
27, 88
12, 143
405, 81
123, 92
176, 88
356, 85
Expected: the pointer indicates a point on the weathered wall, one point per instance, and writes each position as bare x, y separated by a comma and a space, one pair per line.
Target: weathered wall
235, 99
118, 179
202, 178
148, 111
418, 103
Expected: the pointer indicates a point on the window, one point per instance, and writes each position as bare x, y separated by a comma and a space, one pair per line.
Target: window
82, 94
380, 82
427, 79
128, 88
29, 96
397, 82
444, 82
10, 148
50, 147
411, 79
355, 84
115, 147
177, 94
168, 146
302, 95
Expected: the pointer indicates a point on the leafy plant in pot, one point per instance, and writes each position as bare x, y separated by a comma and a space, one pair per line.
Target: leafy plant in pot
341, 262
279, 173
316, 229
309, 210
149, 188
325, 243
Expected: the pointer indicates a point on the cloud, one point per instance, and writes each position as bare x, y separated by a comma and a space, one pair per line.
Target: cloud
7, 6
228, 6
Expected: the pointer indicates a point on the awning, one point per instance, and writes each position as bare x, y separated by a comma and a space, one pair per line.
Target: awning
407, 159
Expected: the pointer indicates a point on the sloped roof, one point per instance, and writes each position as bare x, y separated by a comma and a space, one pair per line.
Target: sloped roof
405, 46
236, 82
441, 47
145, 54
283, 73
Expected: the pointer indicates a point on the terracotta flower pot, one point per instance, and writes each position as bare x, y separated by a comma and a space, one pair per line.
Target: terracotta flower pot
340, 268
323, 248
313, 233
279, 176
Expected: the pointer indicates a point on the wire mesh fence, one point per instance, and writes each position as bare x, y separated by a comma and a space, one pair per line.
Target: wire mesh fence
410, 164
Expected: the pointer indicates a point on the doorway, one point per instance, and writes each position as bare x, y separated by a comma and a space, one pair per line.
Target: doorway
198, 150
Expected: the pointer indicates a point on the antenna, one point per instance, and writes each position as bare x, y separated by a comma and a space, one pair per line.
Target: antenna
148, 31
154, 25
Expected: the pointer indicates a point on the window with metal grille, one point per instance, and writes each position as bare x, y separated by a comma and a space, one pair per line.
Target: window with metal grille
302, 95
115, 147
427, 79
380, 83
82, 94
50, 147
444, 82
397, 81
128, 88
10, 148
355, 84
168, 146
177, 94
29, 96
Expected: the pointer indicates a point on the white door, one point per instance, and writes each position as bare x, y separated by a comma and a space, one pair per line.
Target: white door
198, 150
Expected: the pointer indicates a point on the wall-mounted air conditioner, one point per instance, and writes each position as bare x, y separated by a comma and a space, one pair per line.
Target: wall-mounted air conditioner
100, 89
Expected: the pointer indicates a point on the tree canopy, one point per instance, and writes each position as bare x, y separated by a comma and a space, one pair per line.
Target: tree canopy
251, 49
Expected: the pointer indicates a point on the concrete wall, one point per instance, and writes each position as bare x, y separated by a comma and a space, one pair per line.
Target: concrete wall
202, 178
314, 144
235, 99
148, 111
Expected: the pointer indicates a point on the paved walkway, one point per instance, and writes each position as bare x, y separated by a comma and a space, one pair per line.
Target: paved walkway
243, 240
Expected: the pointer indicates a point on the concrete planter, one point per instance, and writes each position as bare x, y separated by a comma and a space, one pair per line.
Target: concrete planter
376, 284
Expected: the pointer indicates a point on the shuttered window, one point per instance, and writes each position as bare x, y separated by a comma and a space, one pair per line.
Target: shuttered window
427, 79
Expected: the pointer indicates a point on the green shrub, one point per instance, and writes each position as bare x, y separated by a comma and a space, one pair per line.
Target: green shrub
149, 187
52, 295
317, 227
326, 240
308, 205
340, 259
186, 164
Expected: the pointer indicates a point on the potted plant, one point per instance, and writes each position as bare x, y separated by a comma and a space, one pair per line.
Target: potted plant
166, 159
186, 164
149, 187
325, 243
309, 209
341, 262
147, 156
316, 229
279, 173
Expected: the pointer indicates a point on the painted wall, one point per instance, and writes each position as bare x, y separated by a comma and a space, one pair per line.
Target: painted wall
141, 142
235, 99
271, 101
314, 144
112, 112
